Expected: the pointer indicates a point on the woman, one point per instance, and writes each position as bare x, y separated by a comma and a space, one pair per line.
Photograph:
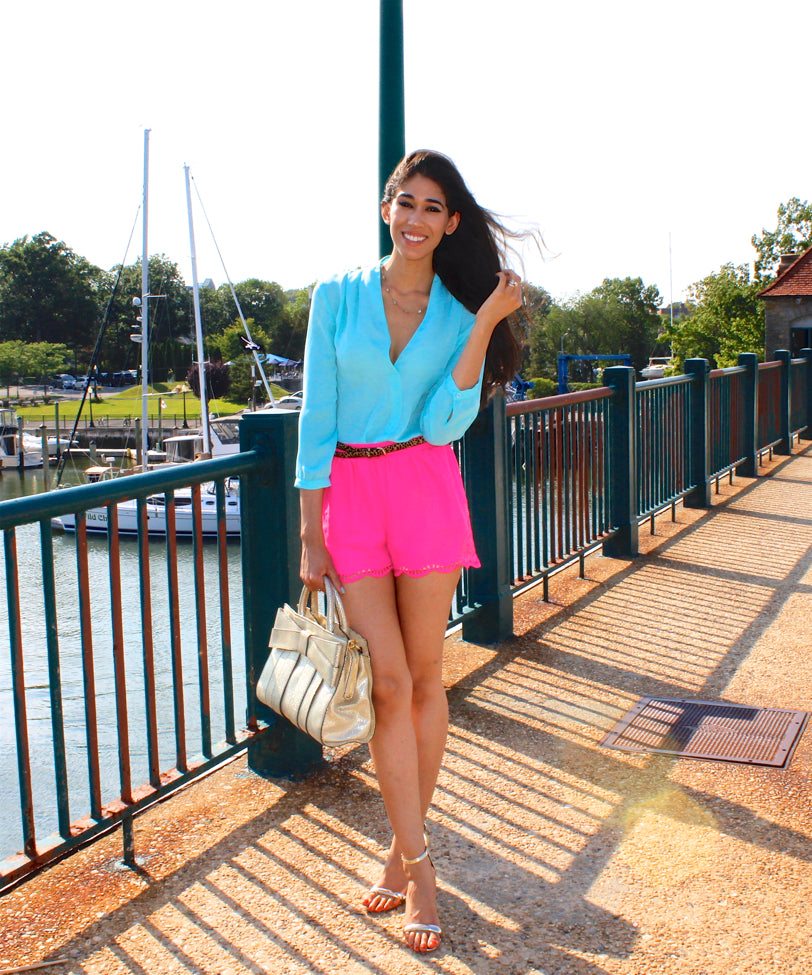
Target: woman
398, 359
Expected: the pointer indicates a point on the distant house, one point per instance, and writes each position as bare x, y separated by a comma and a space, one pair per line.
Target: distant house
788, 306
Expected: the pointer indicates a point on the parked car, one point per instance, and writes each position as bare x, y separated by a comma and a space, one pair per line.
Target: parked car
126, 378
292, 402
64, 381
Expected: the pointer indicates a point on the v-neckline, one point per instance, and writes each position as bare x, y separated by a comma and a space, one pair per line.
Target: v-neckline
386, 320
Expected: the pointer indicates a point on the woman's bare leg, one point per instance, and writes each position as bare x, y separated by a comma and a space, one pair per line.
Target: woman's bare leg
404, 621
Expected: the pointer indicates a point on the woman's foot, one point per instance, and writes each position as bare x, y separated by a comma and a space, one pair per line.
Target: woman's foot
421, 926
390, 892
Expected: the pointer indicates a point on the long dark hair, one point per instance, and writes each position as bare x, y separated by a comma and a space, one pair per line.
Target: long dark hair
467, 260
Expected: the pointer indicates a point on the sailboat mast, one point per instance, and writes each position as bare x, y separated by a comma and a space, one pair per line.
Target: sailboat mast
201, 365
671, 282
145, 313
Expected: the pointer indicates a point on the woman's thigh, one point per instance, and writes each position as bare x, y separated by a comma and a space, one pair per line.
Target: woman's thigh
423, 608
372, 611
404, 620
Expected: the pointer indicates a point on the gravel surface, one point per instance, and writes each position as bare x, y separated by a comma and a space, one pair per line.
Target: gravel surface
554, 855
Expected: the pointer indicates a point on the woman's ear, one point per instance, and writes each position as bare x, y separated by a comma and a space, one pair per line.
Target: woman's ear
453, 222
386, 209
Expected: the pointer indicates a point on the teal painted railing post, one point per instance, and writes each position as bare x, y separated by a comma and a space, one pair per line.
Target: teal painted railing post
699, 494
622, 464
807, 354
749, 466
784, 447
391, 103
486, 479
271, 550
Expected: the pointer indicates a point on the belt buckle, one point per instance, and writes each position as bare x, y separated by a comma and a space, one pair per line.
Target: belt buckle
378, 451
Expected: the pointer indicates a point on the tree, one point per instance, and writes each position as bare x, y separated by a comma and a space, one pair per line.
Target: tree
47, 292
41, 359
725, 317
793, 235
11, 362
218, 380
171, 319
228, 347
618, 317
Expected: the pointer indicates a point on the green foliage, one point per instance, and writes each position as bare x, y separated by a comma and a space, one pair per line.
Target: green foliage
47, 293
31, 360
793, 235
218, 380
725, 317
242, 381
619, 316
543, 387
170, 318
11, 361
227, 345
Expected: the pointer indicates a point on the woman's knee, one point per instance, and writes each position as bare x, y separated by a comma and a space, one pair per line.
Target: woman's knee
392, 690
427, 690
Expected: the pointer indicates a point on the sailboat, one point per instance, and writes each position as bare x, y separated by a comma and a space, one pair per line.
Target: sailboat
201, 445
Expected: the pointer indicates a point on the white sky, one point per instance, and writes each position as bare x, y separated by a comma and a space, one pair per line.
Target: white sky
607, 125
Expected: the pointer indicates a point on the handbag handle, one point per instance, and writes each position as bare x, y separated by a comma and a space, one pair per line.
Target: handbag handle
334, 605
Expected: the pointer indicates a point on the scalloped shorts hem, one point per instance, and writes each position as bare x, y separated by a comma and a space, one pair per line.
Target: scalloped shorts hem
471, 562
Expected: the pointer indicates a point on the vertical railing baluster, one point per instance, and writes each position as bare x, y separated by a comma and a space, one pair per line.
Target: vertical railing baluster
175, 639
18, 693
516, 495
529, 493
147, 646
88, 669
54, 677
544, 476
583, 462
200, 614
225, 615
119, 664
533, 448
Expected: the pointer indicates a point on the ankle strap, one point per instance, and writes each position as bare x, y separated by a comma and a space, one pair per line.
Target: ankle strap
417, 859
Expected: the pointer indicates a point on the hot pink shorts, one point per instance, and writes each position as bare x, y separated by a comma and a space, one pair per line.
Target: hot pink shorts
402, 512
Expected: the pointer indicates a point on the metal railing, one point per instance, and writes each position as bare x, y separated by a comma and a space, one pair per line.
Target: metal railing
799, 395
109, 712
111, 708
663, 442
557, 500
769, 404
727, 418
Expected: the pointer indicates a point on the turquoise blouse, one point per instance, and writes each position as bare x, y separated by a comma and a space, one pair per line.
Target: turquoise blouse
352, 390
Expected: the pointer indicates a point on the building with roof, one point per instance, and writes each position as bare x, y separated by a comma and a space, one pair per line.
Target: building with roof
788, 306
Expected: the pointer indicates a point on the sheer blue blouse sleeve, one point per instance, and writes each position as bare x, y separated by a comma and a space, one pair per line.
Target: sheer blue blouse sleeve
449, 411
318, 419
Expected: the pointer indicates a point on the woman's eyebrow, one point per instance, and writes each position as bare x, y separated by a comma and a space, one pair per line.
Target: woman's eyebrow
429, 199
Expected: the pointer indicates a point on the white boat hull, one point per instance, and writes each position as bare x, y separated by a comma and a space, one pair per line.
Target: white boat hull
97, 519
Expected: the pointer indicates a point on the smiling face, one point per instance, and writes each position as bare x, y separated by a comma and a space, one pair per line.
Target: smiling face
418, 217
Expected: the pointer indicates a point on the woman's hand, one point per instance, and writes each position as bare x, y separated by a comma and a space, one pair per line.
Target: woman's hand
505, 298
316, 564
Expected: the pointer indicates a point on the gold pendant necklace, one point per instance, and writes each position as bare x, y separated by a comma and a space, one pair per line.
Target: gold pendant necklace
408, 311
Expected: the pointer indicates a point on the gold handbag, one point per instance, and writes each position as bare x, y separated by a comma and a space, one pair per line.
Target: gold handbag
318, 674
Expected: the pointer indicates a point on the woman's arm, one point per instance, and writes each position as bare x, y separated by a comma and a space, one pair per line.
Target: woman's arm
454, 403
316, 561
505, 298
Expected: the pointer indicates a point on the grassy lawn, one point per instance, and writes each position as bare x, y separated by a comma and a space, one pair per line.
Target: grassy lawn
127, 403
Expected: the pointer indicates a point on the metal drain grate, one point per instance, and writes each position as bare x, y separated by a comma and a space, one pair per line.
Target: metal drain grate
701, 729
